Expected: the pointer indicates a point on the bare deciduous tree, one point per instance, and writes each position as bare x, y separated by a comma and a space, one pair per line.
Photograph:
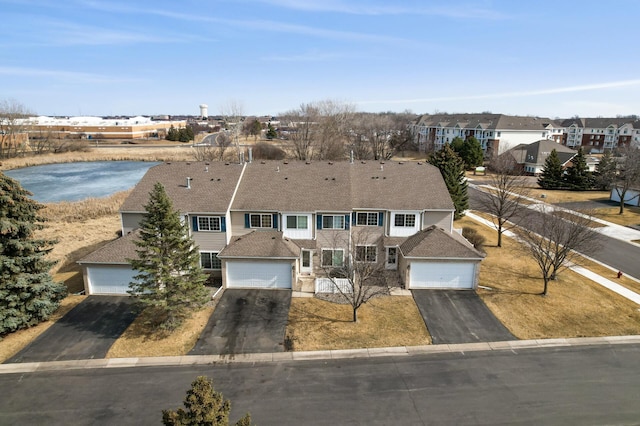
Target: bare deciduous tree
299, 126
232, 112
13, 127
357, 276
558, 240
214, 152
506, 196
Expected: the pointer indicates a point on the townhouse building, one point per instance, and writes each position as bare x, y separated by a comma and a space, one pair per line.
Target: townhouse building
286, 224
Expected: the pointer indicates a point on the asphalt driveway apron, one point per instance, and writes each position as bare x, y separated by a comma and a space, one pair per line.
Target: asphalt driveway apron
85, 332
458, 316
246, 321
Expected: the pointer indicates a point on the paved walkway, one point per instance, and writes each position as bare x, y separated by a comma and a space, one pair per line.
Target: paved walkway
187, 360
599, 279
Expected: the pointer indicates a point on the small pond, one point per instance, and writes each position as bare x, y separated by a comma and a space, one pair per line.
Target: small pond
51, 183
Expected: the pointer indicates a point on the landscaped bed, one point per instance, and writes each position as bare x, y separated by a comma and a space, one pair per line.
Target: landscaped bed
384, 321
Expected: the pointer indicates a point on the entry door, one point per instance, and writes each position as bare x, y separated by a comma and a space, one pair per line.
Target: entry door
392, 258
306, 264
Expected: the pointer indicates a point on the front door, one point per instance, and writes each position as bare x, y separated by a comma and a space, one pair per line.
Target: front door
306, 266
392, 258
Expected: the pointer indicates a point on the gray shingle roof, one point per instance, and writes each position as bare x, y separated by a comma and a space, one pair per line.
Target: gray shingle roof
435, 243
212, 185
116, 251
341, 186
489, 121
601, 123
262, 244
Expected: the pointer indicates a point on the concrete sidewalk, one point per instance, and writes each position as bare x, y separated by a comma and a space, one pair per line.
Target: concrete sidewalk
187, 360
599, 279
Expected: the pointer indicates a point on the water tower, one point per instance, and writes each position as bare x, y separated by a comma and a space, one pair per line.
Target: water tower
204, 112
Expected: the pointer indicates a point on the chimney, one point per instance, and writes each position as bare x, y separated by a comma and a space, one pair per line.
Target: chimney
188, 183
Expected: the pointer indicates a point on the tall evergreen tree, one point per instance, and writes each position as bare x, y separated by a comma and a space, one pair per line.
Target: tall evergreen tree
28, 294
606, 171
172, 134
578, 176
170, 280
470, 150
452, 169
552, 173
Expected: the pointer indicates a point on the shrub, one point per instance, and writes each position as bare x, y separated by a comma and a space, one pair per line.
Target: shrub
267, 151
472, 235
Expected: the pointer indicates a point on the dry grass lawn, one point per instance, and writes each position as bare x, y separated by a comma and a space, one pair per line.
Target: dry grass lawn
575, 306
564, 196
138, 341
631, 215
13, 343
385, 321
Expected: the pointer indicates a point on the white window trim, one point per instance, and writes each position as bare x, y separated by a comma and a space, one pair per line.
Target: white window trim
404, 221
286, 221
367, 246
332, 257
209, 220
333, 221
210, 253
251, 215
377, 214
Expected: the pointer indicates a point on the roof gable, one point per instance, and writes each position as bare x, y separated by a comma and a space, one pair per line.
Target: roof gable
435, 243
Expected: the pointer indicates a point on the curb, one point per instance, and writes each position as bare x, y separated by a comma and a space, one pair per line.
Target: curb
190, 360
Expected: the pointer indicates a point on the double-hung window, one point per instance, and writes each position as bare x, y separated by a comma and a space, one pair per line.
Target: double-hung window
261, 220
210, 260
407, 220
332, 257
366, 253
297, 222
367, 218
332, 222
208, 223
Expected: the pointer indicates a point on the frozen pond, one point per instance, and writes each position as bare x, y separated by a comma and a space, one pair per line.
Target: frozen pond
51, 183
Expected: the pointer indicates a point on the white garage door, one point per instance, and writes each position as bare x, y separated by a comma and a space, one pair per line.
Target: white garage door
247, 274
441, 275
109, 279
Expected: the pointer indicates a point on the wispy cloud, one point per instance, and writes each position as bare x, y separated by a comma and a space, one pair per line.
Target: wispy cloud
62, 75
250, 24
464, 11
516, 94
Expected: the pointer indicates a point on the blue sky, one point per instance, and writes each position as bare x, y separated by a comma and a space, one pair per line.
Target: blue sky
106, 57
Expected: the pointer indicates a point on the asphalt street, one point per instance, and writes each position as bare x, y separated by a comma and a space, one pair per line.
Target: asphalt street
458, 316
613, 252
552, 386
85, 332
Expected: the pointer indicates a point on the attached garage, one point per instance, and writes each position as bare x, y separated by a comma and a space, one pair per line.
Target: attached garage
258, 274
260, 259
451, 275
108, 279
107, 270
434, 258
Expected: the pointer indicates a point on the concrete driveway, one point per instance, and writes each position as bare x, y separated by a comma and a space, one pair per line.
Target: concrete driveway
246, 321
459, 316
85, 332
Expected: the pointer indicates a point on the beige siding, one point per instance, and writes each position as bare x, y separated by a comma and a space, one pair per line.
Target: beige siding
210, 241
237, 224
402, 270
440, 219
130, 221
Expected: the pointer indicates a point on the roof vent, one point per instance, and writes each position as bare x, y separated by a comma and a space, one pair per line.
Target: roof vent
330, 163
419, 163
206, 169
308, 162
188, 164
326, 178
400, 162
333, 178
286, 178
188, 182
278, 169
363, 162
262, 162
